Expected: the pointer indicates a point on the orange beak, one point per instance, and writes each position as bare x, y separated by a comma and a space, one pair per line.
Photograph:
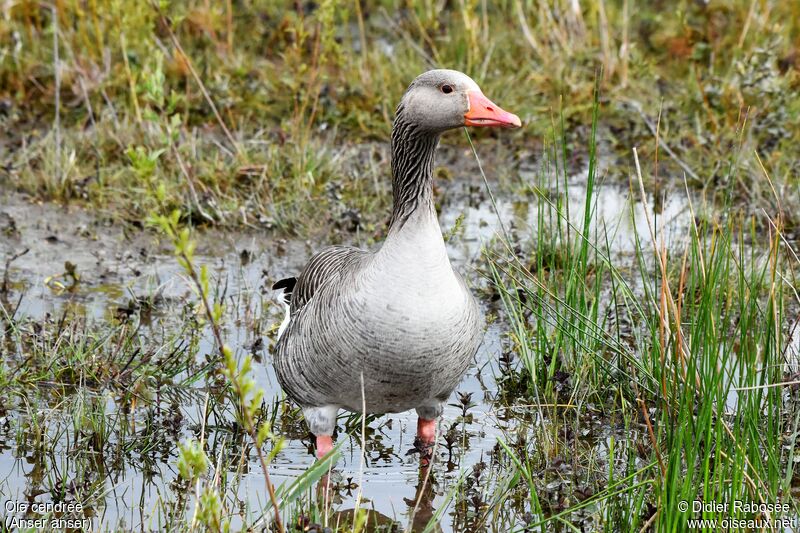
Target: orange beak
482, 112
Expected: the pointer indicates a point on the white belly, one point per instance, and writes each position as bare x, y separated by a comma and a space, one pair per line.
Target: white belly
403, 328
418, 327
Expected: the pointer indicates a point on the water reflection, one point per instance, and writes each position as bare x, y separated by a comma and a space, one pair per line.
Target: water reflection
419, 513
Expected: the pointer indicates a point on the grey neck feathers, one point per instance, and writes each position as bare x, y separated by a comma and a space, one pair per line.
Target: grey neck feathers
412, 169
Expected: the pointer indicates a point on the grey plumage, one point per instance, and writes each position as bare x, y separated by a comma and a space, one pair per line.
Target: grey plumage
320, 269
400, 318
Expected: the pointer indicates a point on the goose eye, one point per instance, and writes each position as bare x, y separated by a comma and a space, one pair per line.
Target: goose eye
447, 89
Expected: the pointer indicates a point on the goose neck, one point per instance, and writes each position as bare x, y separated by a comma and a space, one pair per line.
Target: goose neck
412, 172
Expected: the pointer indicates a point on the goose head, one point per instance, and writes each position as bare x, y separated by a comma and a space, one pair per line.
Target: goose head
441, 100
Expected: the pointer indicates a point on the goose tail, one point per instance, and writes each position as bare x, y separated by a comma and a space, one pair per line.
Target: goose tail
287, 285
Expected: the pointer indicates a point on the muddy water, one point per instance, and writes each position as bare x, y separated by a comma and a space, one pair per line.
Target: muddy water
113, 267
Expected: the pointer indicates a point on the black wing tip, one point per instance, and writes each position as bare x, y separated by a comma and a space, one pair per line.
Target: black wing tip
287, 284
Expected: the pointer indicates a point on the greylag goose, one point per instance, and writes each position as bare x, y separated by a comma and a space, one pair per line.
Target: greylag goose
395, 329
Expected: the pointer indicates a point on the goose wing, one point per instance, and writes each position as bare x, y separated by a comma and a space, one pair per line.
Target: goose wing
323, 266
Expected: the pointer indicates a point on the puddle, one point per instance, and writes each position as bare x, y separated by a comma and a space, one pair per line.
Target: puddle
618, 217
115, 269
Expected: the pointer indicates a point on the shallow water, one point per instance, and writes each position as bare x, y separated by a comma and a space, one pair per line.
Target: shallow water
113, 267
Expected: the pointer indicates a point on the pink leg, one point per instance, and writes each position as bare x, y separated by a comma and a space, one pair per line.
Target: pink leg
426, 438
426, 430
324, 445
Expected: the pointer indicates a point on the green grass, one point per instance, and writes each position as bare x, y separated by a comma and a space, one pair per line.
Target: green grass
256, 114
95, 406
683, 346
